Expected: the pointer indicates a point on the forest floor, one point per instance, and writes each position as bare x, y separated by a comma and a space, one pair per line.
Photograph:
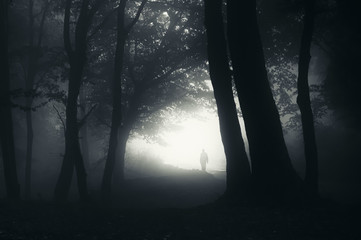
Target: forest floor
144, 214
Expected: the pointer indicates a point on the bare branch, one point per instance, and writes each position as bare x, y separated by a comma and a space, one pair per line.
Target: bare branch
140, 9
41, 79
61, 119
83, 120
101, 25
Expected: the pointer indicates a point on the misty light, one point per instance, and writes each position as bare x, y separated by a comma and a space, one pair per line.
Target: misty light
184, 144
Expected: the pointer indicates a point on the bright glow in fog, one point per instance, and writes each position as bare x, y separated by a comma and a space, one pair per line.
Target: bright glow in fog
184, 145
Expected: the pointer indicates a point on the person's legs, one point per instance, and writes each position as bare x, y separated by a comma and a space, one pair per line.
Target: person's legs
203, 165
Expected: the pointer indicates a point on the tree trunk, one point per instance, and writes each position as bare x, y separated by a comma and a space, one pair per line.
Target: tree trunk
238, 169
81, 174
119, 167
29, 81
272, 172
304, 102
117, 104
72, 155
116, 128
29, 151
84, 130
77, 59
32, 69
6, 123
109, 165
114, 170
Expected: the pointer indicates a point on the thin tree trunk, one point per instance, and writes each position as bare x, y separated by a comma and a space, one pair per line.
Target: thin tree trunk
72, 157
272, 172
6, 123
71, 137
66, 173
122, 34
29, 152
84, 130
238, 169
304, 102
29, 84
29, 81
117, 104
77, 59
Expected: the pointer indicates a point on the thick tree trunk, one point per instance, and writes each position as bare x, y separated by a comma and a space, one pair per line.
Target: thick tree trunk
304, 102
272, 172
65, 177
8, 152
109, 165
117, 105
114, 168
81, 174
6, 123
119, 167
238, 169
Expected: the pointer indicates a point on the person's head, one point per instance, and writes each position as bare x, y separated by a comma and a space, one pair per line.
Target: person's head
203, 150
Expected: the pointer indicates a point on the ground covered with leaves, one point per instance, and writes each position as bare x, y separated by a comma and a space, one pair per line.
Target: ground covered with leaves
44, 220
179, 206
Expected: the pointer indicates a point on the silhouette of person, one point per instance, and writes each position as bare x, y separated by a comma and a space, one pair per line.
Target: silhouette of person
203, 160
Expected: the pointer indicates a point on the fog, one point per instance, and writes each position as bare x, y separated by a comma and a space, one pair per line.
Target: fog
175, 159
176, 115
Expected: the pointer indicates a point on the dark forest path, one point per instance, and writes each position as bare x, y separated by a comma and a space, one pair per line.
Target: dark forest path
174, 207
185, 188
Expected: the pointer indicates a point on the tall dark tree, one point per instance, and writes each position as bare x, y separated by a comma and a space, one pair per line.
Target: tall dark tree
34, 53
118, 133
6, 123
339, 34
77, 53
304, 102
272, 172
238, 169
